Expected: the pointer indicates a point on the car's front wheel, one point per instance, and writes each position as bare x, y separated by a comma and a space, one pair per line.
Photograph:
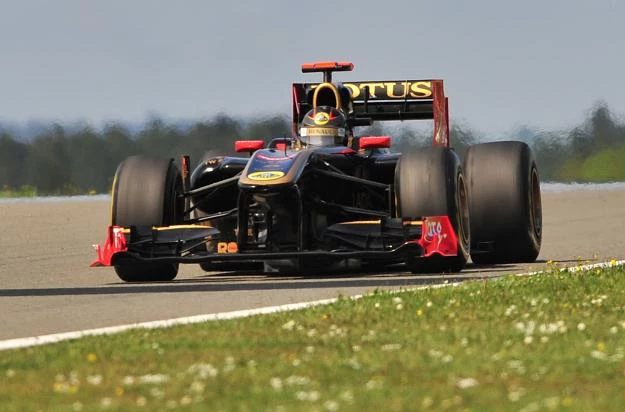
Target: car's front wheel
146, 192
430, 182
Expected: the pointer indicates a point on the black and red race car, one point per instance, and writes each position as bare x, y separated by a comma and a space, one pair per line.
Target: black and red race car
311, 204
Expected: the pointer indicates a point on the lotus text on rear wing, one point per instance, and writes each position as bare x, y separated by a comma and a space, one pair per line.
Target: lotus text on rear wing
390, 90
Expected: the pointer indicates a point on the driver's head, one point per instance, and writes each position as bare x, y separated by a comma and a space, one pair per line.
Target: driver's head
323, 126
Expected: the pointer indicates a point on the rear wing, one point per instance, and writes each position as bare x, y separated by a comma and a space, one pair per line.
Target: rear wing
369, 101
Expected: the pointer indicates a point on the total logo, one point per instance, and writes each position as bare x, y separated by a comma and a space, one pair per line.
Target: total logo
433, 228
266, 175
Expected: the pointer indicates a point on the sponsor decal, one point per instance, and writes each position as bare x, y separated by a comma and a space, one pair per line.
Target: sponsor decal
227, 247
438, 237
321, 118
392, 90
266, 175
433, 228
322, 131
411, 89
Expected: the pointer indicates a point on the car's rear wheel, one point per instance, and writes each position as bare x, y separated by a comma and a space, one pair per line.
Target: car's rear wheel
504, 202
430, 182
146, 192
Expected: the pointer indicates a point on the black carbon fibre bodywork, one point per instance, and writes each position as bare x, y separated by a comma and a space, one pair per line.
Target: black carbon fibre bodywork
309, 205
301, 194
322, 205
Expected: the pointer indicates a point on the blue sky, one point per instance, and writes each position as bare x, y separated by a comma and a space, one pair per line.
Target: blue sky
541, 63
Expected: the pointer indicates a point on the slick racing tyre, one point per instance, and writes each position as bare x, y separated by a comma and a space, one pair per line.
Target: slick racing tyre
504, 202
145, 193
429, 182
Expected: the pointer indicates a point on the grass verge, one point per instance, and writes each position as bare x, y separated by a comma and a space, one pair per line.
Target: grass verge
24, 191
603, 166
548, 342
7, 192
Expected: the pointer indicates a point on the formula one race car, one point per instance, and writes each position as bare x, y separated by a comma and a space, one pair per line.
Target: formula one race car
326, 196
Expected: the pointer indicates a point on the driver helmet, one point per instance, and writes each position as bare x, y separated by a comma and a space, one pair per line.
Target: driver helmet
323, 126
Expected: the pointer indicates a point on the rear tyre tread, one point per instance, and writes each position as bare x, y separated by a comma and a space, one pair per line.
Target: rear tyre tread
504, 202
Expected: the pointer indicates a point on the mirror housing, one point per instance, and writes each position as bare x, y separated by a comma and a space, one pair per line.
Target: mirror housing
374, 142
248, 145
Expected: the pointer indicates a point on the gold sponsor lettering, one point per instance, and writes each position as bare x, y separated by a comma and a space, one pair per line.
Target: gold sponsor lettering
392, 86
372, 88
265, 175
390, 90
353, 89
421, 89
319, 131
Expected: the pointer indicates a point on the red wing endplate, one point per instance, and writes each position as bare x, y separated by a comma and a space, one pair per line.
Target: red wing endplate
438, 237
115, 242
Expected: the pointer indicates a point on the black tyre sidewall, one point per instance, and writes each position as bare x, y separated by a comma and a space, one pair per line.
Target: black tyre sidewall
504, 202
430, 182
145, 193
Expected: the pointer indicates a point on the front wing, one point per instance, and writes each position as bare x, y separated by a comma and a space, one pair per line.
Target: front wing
381, 240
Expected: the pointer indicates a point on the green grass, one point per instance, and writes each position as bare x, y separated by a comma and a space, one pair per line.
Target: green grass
24, 191
604, 166
548, 342
31, 191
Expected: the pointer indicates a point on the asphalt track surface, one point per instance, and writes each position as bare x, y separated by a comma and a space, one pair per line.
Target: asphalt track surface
48, 287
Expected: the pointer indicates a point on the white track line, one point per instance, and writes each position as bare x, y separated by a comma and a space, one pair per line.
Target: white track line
60, 337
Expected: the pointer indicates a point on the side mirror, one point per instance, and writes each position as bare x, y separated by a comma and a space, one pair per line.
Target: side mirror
248, 145
374, 142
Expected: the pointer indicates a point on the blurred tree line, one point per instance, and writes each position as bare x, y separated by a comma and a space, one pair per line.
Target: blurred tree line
593, 151
61, 163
